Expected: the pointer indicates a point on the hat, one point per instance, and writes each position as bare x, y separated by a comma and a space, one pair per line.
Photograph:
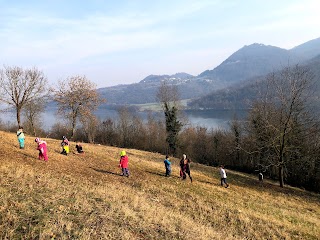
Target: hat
122, 153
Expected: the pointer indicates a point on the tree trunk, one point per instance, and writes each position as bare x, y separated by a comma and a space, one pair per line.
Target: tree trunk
18, 116
281, 177
73, 128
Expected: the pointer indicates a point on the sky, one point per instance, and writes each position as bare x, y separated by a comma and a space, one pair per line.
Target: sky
124, 41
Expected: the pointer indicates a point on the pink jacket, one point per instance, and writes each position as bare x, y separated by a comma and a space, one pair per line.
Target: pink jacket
42, 147
124, 161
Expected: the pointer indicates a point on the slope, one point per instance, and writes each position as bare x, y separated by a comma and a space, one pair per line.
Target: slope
83, 197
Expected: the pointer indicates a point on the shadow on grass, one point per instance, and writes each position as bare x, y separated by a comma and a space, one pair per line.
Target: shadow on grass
106, 172
161, 174
206, 182
155, 173
30, 155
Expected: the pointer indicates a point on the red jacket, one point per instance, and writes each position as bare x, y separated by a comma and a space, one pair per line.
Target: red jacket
124, 161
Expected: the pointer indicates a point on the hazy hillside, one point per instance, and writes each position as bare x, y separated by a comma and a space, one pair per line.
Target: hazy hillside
145, 91
250, 61
307, 50
84, 197
245, 64
240, 96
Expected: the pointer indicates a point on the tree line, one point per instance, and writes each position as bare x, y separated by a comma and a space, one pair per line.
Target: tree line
280, 136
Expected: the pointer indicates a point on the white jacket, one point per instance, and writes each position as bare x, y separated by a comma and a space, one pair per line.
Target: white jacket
223, 173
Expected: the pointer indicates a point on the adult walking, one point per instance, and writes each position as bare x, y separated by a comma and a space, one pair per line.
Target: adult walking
181, 164
186, 169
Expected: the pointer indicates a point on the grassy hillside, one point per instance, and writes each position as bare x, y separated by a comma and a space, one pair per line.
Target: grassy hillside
83, 197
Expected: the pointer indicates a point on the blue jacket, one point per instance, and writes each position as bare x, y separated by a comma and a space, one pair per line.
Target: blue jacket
167, 164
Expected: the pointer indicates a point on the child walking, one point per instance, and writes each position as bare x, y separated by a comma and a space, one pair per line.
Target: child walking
167, 165
79, 149
124, 164
42, 147
65, 145
223, 175
21, 137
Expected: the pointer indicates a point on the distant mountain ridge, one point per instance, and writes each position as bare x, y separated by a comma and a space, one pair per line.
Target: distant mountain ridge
241, 96
307, 50
249, 62
146, 90
158, 78
252, 60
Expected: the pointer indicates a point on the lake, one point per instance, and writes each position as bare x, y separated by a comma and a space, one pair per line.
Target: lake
215, 119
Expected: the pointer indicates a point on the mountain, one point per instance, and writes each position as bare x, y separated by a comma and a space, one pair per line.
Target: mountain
240, 96
146, 90
246, 64
307, 50
250, 61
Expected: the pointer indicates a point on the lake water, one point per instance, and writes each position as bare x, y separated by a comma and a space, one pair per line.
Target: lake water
215, 119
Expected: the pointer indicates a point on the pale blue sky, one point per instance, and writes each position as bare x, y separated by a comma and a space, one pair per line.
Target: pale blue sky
123, 41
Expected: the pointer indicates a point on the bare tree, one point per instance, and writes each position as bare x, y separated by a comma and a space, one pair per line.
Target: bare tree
32, 113
76, 97
168, 96
19, 86
280, 120
90, 126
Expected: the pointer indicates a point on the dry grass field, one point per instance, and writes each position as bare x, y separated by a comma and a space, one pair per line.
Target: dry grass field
84, 197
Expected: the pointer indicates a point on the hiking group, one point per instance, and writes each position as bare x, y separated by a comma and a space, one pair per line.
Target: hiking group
42, 145
184, 167
184, 163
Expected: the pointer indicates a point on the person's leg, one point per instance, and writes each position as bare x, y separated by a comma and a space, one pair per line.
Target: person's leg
190, 176
221, 181
167, 172
184, 175
225, 181
67, 149
127, 172
45, 156
21, 143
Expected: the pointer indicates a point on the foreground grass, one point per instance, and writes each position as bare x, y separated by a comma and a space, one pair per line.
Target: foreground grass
83, 197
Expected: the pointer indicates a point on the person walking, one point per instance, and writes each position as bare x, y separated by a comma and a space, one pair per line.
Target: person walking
181, 164
42, 147
65, 145
186, 169
167, 165
79, 149
21, 137
223, 175
123, 164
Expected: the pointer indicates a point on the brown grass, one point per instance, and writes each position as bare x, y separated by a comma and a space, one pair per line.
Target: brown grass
83, 197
